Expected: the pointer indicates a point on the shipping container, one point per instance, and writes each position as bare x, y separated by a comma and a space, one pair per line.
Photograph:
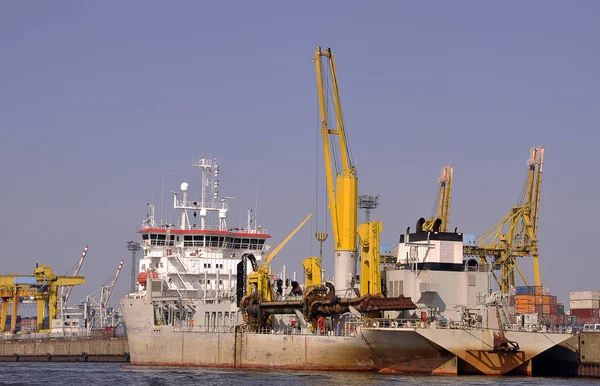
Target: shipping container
525, 308
584, 295
587, 312
524, 290
531, 318
553, 300
546, 299
560, 309
524, 299
539, 308
574, 304
538, 290
587, 319
546, 308
553, 309
545, 290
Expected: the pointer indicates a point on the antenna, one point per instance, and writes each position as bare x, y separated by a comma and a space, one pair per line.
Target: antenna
256, 204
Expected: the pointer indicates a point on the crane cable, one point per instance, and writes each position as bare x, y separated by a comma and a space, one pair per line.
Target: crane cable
435, 203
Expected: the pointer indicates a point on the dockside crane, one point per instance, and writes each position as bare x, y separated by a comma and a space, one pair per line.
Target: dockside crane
96, 304
343, 194
515, 235
107, 291
442, 207
67, 292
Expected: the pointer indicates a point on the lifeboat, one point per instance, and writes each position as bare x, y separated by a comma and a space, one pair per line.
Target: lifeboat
143, 277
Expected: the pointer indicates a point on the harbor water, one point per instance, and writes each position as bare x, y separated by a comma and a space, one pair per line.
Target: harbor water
125, 374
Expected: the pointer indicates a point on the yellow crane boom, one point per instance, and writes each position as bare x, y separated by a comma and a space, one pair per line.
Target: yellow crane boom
442, 210
258, 281
343, 195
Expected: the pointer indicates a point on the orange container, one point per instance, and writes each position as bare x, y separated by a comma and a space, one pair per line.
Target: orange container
539, 299
546, 308
524, 299
539, 290
546, 299
525, 308
522, 309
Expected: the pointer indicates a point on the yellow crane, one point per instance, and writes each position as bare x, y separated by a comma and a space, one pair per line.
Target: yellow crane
45, 277
342, 196
42, 287
515, 235
442, 210
258, 281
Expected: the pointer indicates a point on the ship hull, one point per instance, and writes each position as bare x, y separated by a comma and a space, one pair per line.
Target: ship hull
399, 350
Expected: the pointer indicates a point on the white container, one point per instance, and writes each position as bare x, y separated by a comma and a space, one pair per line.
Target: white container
531, 318
584, 295
546, 290
577, 304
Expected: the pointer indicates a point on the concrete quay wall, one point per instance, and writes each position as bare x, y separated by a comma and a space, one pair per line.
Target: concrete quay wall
67, 350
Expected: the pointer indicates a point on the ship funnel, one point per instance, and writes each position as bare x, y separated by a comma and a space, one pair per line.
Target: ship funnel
437, 224
420, 225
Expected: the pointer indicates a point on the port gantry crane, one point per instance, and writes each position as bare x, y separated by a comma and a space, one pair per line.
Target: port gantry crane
515, 235
442, 207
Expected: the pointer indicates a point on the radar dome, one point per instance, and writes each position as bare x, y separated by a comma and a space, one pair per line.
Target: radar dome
184, 187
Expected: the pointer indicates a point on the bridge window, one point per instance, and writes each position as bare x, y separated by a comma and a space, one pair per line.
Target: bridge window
245, 244
199, 240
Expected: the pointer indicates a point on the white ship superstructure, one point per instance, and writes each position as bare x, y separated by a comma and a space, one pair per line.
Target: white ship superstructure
198, 257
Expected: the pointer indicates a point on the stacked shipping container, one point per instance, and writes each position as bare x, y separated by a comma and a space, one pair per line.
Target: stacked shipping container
584, 306
536, 305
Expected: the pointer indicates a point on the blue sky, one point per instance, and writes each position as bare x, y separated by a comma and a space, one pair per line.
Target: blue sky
99, 99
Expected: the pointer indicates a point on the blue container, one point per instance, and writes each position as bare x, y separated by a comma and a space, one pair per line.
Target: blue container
524, 290
25, 280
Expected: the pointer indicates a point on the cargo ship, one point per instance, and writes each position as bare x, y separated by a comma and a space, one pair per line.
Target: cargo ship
197, 303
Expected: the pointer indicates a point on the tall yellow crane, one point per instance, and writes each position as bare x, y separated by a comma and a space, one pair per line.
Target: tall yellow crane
343, 195
515, 235
442, 210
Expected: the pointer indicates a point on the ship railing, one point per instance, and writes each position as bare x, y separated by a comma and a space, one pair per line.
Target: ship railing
186, 327
455, 325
